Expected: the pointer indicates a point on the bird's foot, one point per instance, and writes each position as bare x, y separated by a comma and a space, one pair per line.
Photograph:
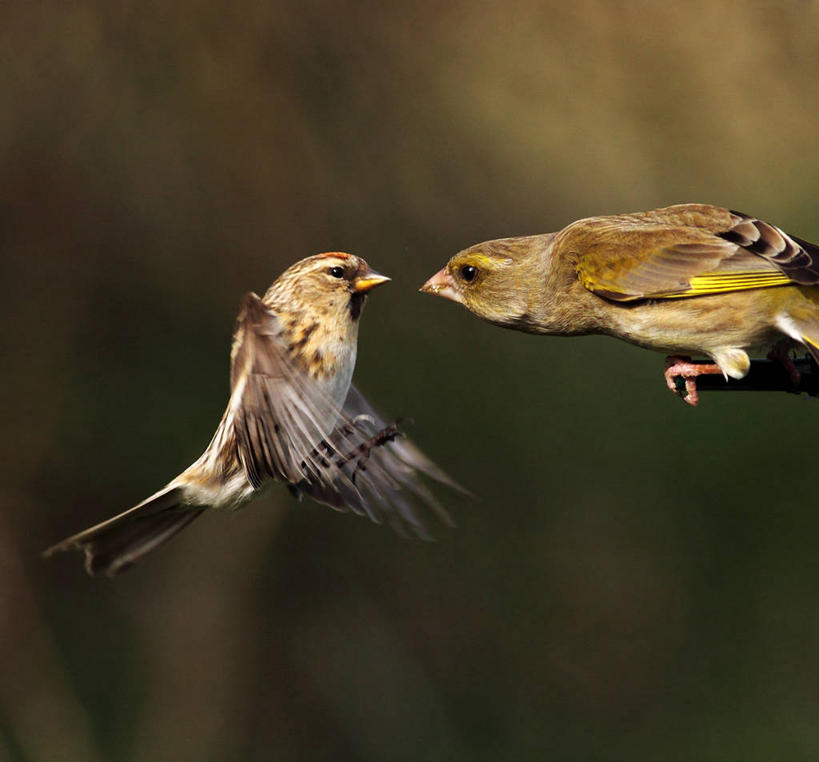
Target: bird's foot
681, 376
780, 353
387, 434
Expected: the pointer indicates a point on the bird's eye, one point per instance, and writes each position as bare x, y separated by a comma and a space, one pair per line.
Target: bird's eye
336, 272
468, 273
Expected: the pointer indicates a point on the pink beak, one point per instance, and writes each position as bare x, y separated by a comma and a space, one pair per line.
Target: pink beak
442, 284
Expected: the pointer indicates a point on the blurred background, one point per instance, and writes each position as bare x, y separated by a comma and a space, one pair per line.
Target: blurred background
637, 580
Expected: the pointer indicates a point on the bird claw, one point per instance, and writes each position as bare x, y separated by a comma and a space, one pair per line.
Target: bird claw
681, 377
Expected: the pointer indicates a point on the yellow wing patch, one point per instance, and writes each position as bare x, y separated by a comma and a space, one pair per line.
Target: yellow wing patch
719, 283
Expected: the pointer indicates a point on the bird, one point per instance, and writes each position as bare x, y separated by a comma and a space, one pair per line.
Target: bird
293, 416
686, 280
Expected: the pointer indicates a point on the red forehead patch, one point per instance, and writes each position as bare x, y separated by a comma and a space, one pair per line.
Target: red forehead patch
339, 254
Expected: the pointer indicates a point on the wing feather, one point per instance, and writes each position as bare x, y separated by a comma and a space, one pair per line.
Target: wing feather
287, 428
688, 250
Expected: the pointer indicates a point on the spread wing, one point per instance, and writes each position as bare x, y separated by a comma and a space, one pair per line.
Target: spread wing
288, 429
688, 250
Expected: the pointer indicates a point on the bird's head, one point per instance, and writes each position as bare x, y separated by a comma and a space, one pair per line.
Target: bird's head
493, 279
332, 286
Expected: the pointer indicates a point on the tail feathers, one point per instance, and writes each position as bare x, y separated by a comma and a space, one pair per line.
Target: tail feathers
803, 326
116, 544
813, 348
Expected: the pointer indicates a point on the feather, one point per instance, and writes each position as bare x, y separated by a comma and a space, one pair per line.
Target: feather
116, 544
345, 456
674, 253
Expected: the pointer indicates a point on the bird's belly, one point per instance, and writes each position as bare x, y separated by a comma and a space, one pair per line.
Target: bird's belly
337, 385
334, 374
744, 320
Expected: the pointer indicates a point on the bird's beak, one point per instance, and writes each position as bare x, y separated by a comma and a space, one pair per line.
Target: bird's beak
368, 280
442, 284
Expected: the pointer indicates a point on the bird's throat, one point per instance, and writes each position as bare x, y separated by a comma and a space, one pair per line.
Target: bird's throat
356, 305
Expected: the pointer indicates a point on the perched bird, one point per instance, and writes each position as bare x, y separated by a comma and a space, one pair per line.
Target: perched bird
690, 279
294, 417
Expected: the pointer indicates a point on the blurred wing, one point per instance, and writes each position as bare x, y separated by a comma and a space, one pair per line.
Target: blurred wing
642, 257
279, 414
388, 471
288, 429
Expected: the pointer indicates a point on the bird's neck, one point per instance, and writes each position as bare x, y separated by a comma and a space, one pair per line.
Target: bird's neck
553, 301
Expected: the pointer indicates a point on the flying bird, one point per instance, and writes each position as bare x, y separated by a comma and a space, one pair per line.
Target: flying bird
294, 417
690, 279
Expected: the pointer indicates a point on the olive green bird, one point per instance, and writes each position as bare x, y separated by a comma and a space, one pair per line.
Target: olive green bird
690, 279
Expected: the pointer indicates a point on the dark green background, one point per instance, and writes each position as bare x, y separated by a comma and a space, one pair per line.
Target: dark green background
637, 580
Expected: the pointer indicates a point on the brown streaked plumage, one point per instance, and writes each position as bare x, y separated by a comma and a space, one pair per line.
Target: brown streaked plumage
294, 417
690, 279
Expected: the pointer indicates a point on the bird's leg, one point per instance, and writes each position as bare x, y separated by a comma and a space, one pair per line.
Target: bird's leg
381, 438
361, 453
780, 353
679, 367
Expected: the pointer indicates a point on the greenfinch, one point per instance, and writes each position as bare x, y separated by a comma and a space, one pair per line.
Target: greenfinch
690, 279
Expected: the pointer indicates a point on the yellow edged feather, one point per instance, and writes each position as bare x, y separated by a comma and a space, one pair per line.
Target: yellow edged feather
718, 283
